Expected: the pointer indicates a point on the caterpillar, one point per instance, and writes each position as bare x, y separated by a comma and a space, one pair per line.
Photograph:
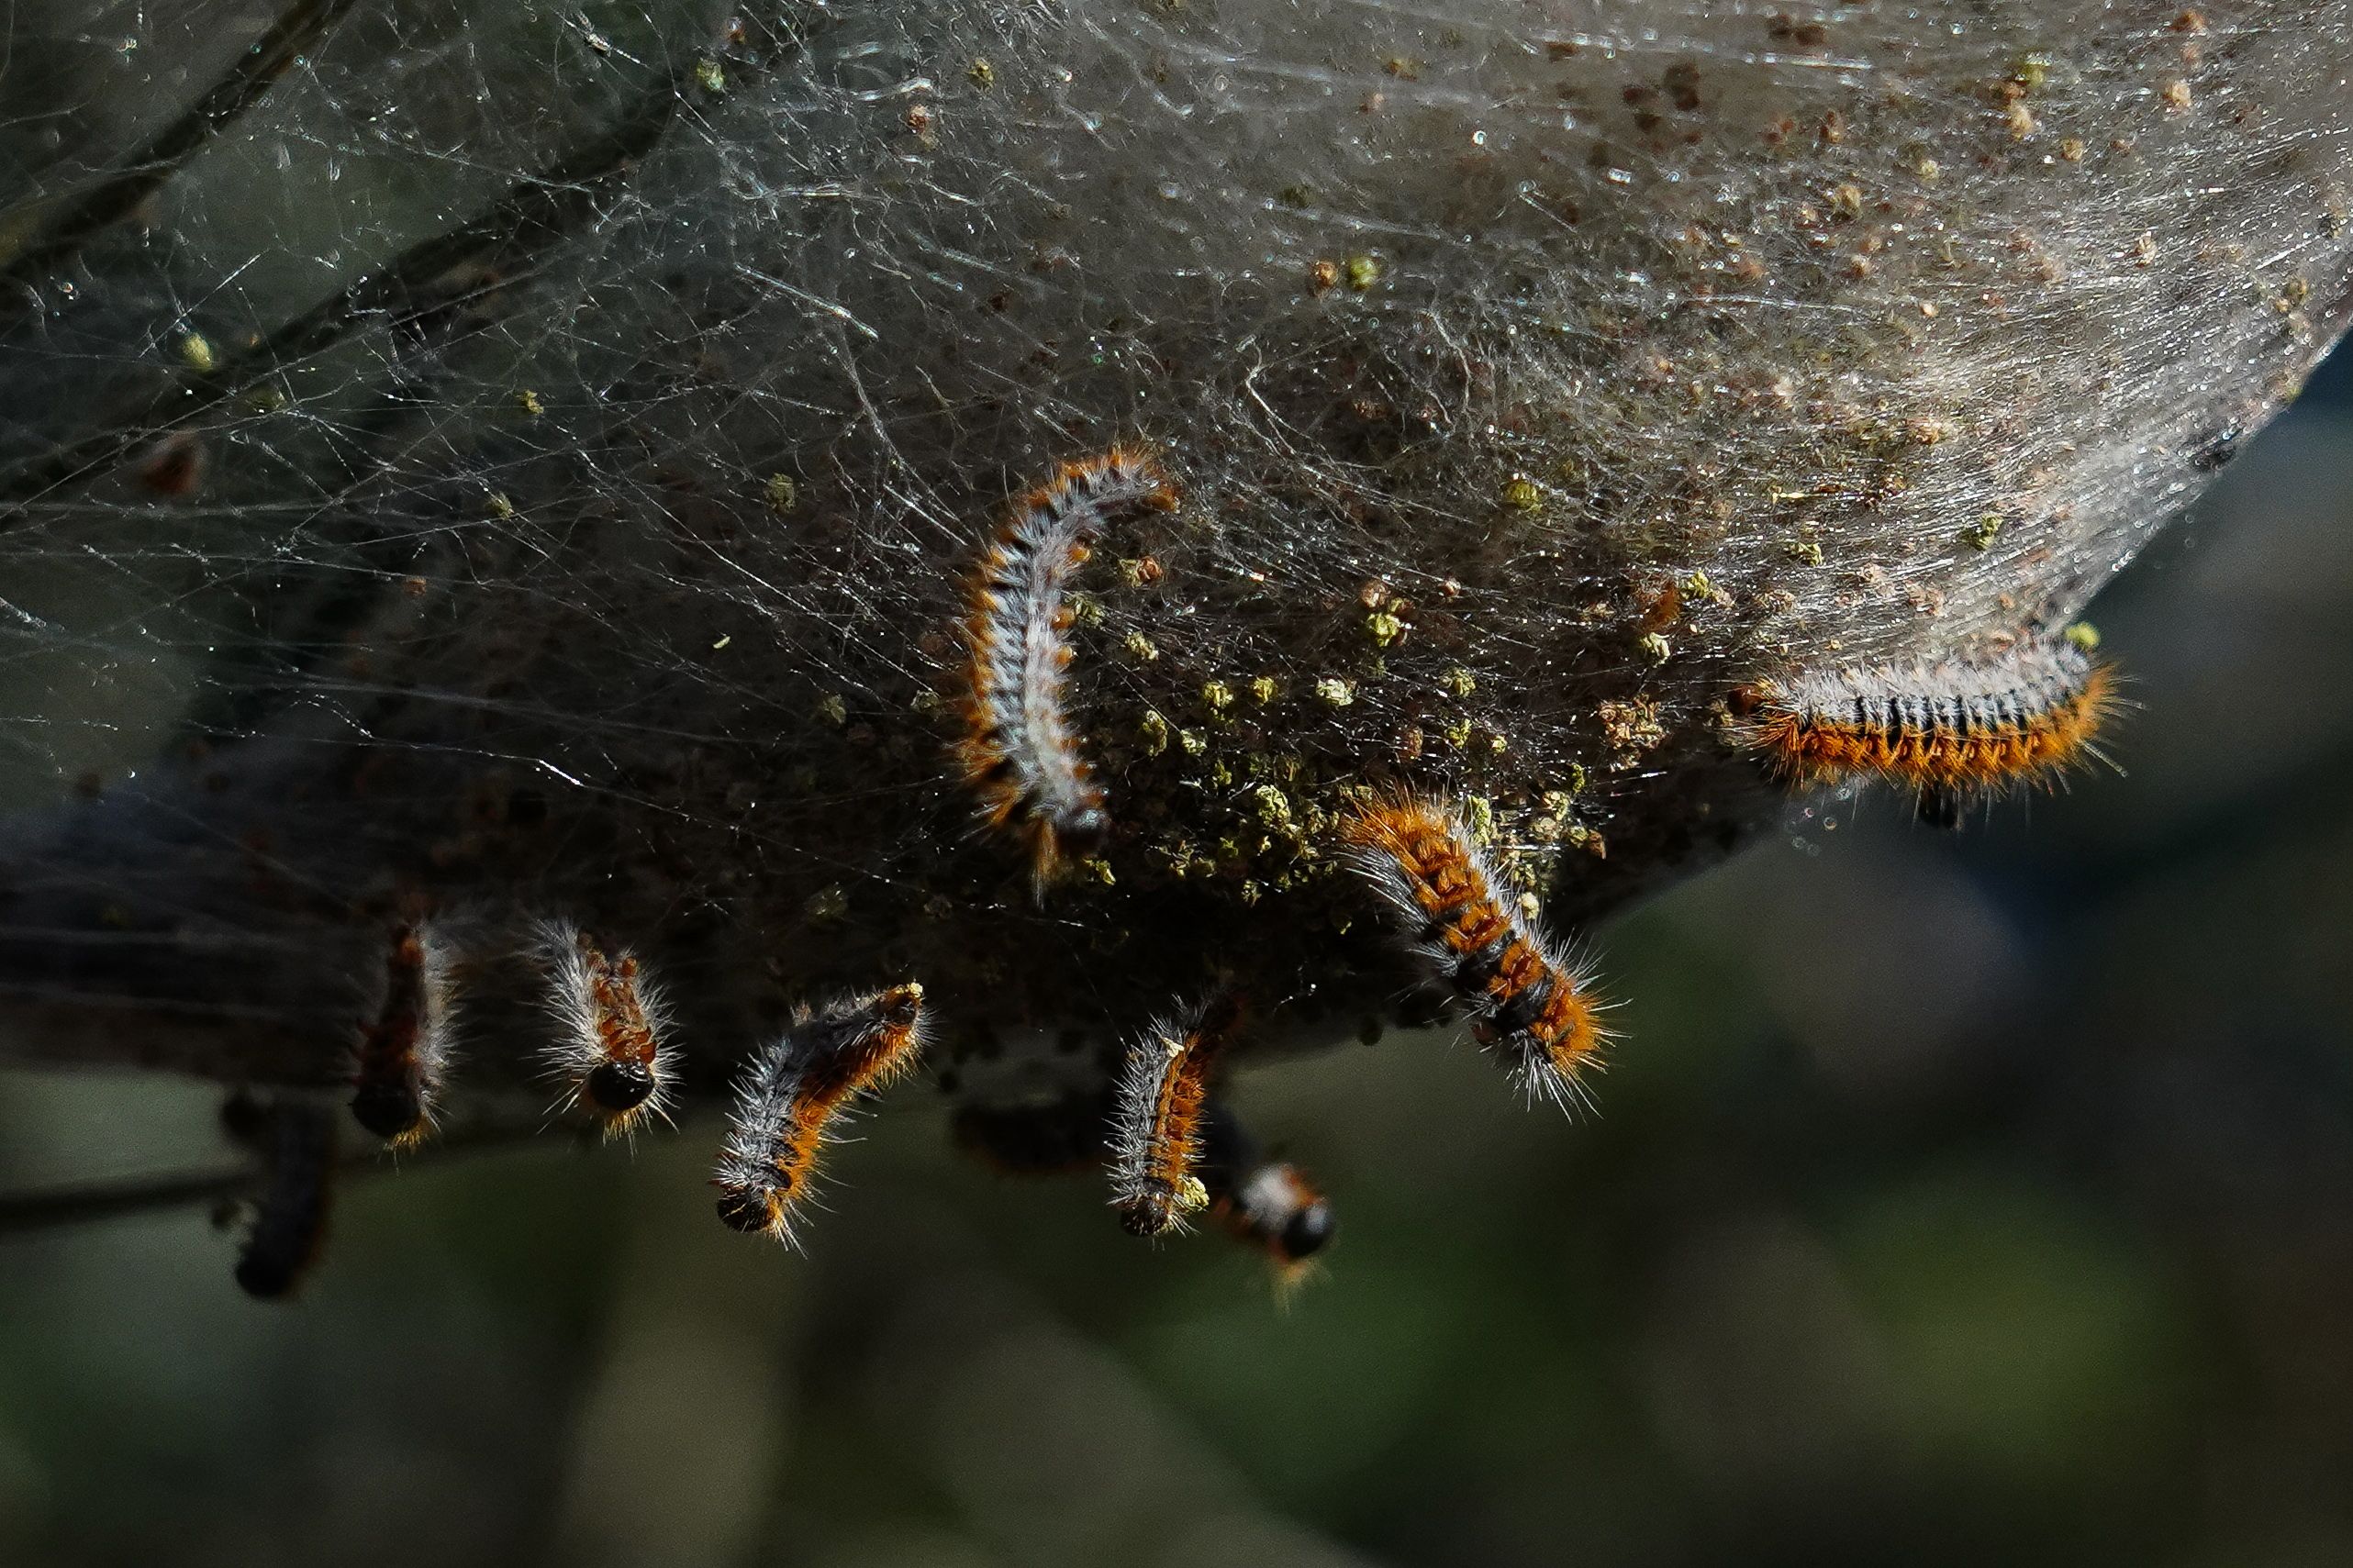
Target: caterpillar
297, 1143
1017, 753
404, 1056
1526, 998
610, 1019
793, 1091
1950, 729
1267, 1205
1156, 1125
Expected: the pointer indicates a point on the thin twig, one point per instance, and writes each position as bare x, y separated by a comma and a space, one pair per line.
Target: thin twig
120, 194
536, 214
38, 1210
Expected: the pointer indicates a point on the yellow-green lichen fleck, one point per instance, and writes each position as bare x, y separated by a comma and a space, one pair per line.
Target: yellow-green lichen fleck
1804, 552
782, 493
1981, 534
1498, 742
499, 506
2032, 72
528, 402
1521, 493
1458, 733
926, 701
1086, 610
1364, 271
197, 353
1262, 690
1478, 818
1655, 648
828, 903
1221, 773
1333, 691
1101, 869
1459, 681
267, 398
1192, 742
1274, 807
1154, 732
1139, 647
982, 74
1216, 695
1383, 628
709, 76
2082, 636
833, 710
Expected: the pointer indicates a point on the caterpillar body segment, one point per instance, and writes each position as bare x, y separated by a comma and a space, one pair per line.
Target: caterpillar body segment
1465, 930
1020, 755
296, 1141
608, 1051
1267, 1205
404, 1056
1157, 1125
794, 1090
1950, 730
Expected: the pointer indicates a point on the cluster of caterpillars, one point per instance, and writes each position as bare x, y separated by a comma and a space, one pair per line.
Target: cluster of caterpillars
1950, 730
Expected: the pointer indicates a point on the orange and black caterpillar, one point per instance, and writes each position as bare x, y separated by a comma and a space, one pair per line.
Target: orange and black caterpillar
1950, 730
1156, 1128
793, 1091
1267, 1205
1464, 929
1019, 753
296, 1141
608, 1051
404, 1056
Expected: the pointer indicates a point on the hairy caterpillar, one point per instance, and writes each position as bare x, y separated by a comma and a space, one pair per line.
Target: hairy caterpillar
1526, 998
794, 1088
1017, 753
1267, 1205
297, 1143
1948, 730
609, 1049
404, 1057
1156, 1128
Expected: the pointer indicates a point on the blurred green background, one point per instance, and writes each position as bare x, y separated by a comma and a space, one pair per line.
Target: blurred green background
1955, 1199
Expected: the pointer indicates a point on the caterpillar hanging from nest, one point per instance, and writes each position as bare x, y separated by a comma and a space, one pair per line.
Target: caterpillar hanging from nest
1951, 730
1019, 752
1528, 1000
